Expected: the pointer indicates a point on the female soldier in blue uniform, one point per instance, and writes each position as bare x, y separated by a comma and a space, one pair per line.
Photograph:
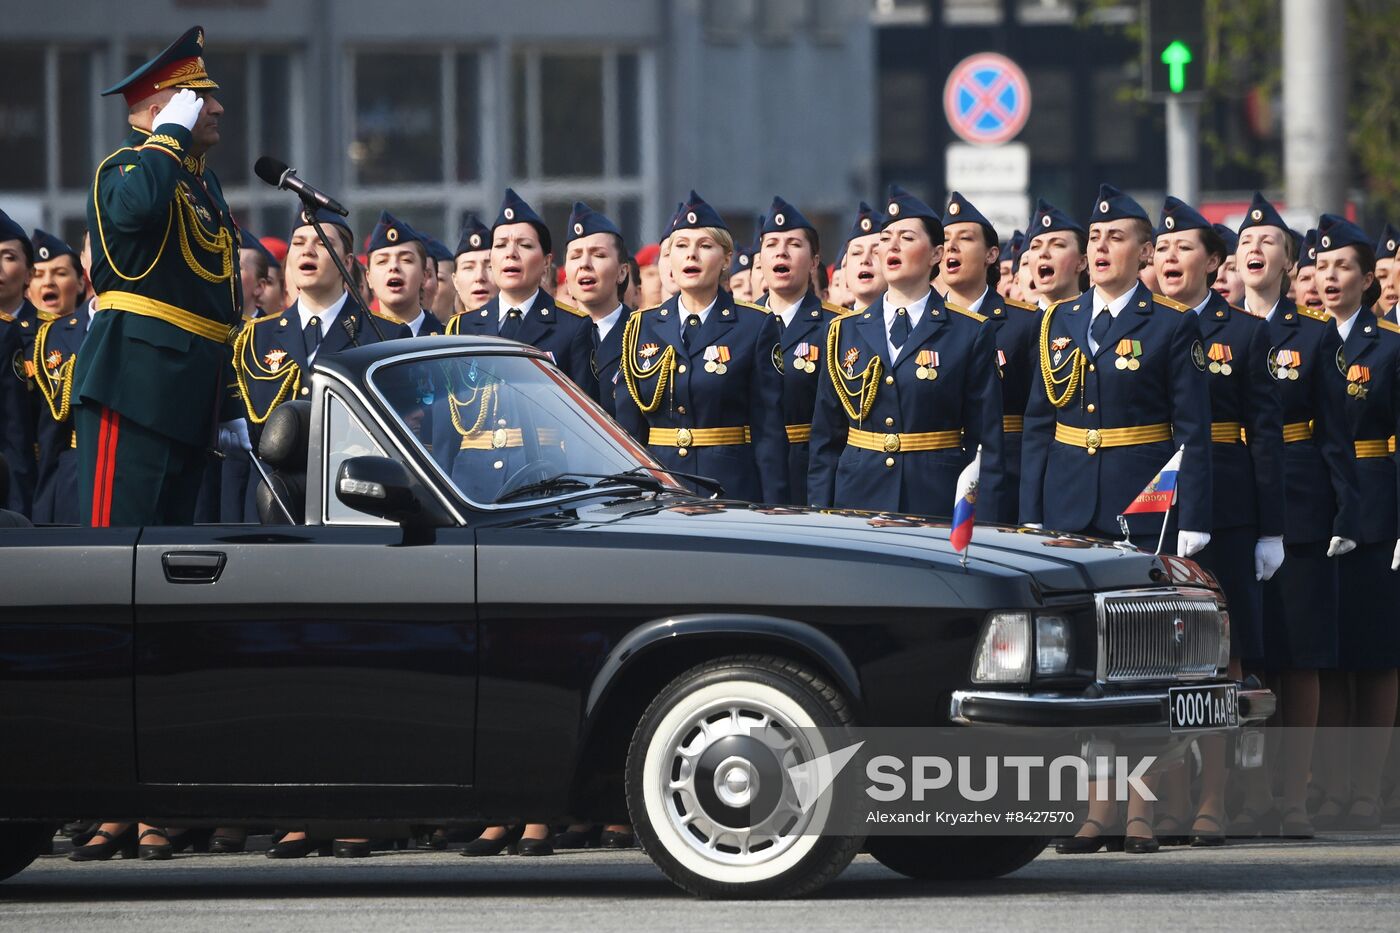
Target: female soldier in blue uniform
59, 285
970, 276
1369, 629
18, 321
1300, 603
701, 373
789, 250
911, 387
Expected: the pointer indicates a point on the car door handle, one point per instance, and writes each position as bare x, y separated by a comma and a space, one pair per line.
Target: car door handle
193, 566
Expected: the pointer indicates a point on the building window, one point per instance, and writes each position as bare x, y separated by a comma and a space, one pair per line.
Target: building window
726, 21
972, 12
779, 20
1045, 12
398, 131
572, 111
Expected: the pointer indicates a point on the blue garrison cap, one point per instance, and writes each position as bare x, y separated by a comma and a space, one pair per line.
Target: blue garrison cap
867, 223
1231, 238
514, 210
1334, 232
1300, 241
248, 241
901, 205
1017, 246
390, 231
742, 261
180, 64
1388, 242
9, 230
302, 218
1112, 204
475, 236
437, 250
1177, 216
585, 221
783, 216
671, 223
961, 211
47, 246
695, 214
1048, 219
1307, 256
1261, 214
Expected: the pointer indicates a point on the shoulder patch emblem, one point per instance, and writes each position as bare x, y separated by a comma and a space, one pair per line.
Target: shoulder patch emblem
1341, 361
1198, 355
778, 357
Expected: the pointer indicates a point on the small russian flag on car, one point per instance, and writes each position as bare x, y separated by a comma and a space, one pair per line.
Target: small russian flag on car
965, 505
1160, 494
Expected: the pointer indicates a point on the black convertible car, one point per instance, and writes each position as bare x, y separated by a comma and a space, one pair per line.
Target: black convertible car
545, 625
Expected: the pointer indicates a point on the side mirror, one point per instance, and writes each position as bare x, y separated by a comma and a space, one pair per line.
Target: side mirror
383, 487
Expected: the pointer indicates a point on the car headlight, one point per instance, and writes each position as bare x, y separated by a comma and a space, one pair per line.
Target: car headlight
1222, 660
1052, 644
1004, 653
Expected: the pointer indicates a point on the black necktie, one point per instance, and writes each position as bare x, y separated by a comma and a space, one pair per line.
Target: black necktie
511, 325
899, 330
1099, 328
311, 336
597, 336
692, 324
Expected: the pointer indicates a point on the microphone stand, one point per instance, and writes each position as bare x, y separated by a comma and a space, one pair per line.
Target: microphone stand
351, 289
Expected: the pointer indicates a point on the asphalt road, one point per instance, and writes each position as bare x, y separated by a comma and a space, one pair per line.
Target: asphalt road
1350, 883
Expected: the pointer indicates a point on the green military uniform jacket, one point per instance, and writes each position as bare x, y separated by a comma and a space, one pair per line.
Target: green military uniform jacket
165, 268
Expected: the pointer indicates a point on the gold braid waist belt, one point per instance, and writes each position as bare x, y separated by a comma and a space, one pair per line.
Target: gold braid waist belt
895, 443
1091, 439
699, 437
187, 321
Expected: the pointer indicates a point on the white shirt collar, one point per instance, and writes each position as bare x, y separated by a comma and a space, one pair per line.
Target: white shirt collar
1272, 311
605, 325
1204, 301
915, 312
326, 316
1116, 305
1344, 327
686, 312
415, 325
981, 299
524, 306
788, 313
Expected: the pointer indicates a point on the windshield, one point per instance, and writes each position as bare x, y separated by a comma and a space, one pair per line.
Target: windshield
510, 429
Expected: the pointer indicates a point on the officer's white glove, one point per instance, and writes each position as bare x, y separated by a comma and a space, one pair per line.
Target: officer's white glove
1191, 542
183, 109
1340, 546
1268, 555
1395, 561
1036, 525
233, 436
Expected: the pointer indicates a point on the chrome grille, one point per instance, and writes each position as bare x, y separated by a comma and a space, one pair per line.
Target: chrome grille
1169, 633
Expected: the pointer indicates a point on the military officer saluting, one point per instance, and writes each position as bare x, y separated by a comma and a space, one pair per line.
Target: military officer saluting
397, 267
595, 264
150, 376
790, 250
1120, 385
911, 388
521, 252
18, 320
58, 287
274, 354
703, 389
970, 275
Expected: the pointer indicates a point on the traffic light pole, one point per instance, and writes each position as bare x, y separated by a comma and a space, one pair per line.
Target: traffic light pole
1314, 104
1184, 148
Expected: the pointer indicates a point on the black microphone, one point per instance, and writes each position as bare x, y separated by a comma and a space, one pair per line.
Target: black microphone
278, 175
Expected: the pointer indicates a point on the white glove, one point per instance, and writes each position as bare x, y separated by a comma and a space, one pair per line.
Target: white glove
1340, 546
233, 436
1036, 525
1268, 555
182, 109
1395, 561
1191, 542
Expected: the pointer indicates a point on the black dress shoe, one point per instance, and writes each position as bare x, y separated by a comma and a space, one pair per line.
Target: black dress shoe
156, 851
123, 842
1087, 845
578, 838
435, 839
346, 849
534, 847
225, 842
1168, 832
613, 839
1295, 824
481, 846
299, 848
196, 840
1140, 845
1201, 840
78, 828
1369, 821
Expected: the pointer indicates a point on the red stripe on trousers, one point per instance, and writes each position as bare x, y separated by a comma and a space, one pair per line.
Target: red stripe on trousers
106, 468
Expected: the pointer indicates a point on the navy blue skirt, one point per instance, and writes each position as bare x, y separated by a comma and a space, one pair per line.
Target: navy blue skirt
1300, 612
1230, 556
1369, 619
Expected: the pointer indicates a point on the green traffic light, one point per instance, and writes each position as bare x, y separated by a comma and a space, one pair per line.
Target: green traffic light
1176, 57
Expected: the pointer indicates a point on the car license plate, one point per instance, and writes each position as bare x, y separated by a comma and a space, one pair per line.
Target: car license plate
1192, 709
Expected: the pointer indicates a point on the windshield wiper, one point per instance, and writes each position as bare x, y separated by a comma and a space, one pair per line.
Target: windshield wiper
564, 480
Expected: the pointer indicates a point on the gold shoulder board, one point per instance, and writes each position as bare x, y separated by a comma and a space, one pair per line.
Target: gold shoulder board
1170, 302
1024, 306
571, 310
1388, 325
1314, 313
964, 311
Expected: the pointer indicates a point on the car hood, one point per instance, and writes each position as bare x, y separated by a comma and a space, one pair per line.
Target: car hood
1056, 562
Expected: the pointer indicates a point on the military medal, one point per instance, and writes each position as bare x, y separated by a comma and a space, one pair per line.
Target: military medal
1286, 363
1128, 352
716, 360
711, 354
53, 359
928, 364
1357, 377
1001, 357
274, 359
849, 359
648, 350
1220, 357
805, 357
